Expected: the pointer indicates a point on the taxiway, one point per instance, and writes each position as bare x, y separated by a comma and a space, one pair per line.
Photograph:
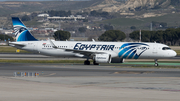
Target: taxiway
76, 82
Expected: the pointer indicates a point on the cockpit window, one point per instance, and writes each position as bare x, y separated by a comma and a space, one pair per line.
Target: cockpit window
166, 48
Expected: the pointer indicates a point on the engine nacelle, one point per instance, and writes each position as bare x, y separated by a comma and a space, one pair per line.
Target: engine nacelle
102, 58
117, 60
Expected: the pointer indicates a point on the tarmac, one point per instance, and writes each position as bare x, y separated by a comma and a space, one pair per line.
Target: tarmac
67, 82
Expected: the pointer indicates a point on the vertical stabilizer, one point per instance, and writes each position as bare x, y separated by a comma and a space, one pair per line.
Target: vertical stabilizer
20, 30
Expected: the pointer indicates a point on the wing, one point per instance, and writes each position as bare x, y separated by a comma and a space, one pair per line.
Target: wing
86, 53
83, 52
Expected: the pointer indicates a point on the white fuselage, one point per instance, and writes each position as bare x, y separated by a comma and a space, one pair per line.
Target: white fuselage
125, 50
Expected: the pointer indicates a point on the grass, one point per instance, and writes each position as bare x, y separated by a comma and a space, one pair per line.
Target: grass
178, 52
8, 49
41, 61
159, 67
124, 21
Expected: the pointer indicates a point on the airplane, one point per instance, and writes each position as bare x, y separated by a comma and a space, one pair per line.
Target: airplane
99, 52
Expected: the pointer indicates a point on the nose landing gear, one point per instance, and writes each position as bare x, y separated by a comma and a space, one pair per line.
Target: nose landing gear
156, 63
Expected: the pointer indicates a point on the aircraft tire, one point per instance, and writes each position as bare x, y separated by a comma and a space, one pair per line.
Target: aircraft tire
94, 62
156, 64
86, 62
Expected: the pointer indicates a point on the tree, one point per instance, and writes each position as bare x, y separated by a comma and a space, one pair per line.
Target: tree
25, 18
82, 13
94, 13
85, 20
112, 35
158, 36
163, 24
59, 13
178, 32
62, 35
134, 35
146, 36
108, 27
169, 35
6, 37
104, 14
172, 36
33, 15
68, 13
175, 2
155, 24
133, 27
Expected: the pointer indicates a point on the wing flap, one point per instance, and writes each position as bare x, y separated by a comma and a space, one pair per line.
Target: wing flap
84, 52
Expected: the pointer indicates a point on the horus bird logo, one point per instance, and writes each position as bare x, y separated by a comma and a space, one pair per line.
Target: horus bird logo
19, 29
132, 50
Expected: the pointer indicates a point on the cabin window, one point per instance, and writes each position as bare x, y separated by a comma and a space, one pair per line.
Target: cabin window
166, 48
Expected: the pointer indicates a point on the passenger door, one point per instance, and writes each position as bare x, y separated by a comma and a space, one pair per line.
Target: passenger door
155, 47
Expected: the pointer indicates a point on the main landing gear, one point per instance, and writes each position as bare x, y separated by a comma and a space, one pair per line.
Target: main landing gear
94, 63
156, 63
87, 62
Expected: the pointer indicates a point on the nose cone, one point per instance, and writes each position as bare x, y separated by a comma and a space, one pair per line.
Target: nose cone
173, 53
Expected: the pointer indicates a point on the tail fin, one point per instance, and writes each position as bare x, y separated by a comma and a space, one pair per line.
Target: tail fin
20, 30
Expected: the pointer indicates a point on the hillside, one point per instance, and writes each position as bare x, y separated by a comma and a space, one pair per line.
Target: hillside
138, 8
133, 5
11, 7
127, 7
135, 10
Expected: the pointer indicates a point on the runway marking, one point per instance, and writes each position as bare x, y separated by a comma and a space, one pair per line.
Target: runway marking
126, 72
152, 63
49, 75
52, 74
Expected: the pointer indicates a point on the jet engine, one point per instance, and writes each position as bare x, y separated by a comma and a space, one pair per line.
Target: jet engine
102, 58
